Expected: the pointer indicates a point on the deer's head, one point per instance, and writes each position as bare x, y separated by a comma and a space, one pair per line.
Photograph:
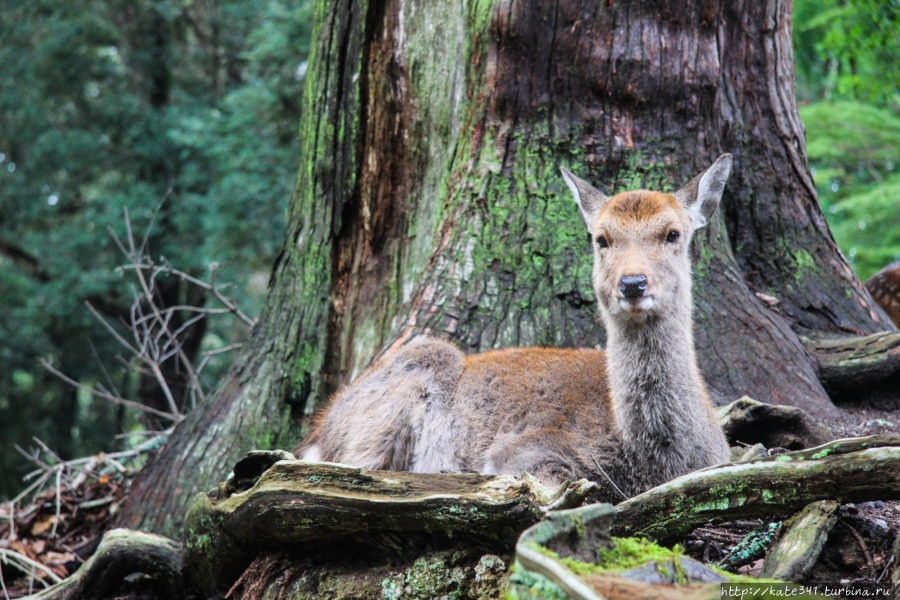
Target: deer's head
640, 242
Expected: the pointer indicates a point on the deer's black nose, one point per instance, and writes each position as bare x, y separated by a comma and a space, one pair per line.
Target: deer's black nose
633, 286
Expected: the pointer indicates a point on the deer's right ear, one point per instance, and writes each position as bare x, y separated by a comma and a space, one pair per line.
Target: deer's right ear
589, 199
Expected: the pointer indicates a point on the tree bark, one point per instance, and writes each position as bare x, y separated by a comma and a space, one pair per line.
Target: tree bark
429, 201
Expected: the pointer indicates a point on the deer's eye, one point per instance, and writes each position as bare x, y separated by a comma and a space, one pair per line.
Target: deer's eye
601, 242
672, 237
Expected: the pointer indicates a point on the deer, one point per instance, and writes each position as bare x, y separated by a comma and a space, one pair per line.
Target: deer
630, 417
884, 286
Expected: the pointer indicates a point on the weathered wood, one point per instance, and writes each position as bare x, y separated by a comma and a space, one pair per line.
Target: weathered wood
854, 363
123, 553
849, 470
542, 571
749, 422
797, 551
305, 505
555, 532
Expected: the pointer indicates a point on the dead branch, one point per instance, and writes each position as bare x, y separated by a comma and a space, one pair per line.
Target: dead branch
100, 392
797, 551
849, 470
228, 303
72, 473
31, 568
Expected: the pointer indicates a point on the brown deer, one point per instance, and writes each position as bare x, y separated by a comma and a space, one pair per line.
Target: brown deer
884, 286
629, 418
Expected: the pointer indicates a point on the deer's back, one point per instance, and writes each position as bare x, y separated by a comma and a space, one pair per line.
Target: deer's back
522, 399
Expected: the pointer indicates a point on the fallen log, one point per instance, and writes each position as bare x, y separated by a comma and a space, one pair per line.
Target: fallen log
748, 421
562, 557
848, 470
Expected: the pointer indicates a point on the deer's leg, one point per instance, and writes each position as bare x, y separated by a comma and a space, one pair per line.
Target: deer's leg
543, 453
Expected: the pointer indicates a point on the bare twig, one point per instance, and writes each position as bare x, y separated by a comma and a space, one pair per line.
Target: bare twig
28, 566
222, 299
59, 473
72, 473
210, 353
3, 586
102, 393
608, 478
859, 540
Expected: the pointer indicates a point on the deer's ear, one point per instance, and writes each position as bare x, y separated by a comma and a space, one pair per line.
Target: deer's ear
700, 197
589, 199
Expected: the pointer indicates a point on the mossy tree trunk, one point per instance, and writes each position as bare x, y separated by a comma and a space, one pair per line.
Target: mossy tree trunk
429, 200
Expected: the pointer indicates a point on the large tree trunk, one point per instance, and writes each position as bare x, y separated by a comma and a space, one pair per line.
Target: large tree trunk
429, 200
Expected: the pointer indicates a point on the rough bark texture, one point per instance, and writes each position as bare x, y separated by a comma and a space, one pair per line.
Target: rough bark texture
308, 508
798, 549
855, 366
429, 200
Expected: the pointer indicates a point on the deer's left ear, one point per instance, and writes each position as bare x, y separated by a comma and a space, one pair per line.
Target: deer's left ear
700, 197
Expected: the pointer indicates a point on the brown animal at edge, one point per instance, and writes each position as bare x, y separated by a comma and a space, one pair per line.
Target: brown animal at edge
884, 286
637, 414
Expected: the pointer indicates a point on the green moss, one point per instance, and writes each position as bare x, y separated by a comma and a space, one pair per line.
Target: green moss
638, 172
822, 453
432, 576
629, 553
525, 585
624, 554
805, 263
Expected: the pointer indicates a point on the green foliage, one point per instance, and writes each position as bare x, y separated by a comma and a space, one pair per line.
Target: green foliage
108, 105
846, 56
852, 147
848, 48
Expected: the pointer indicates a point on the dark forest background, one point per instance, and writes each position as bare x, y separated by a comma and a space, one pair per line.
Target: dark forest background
186, 113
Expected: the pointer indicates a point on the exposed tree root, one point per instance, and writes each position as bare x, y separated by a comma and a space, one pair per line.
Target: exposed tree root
309, 507
125, 561
848, 470
850, 364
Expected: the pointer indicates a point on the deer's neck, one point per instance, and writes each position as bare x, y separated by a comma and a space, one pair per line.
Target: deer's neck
658, 396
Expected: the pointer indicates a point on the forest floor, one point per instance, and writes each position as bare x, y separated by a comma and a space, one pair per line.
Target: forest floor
60, 529
859, 552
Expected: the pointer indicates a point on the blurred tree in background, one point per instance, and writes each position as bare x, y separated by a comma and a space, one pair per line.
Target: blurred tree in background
847, 56
112, 104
